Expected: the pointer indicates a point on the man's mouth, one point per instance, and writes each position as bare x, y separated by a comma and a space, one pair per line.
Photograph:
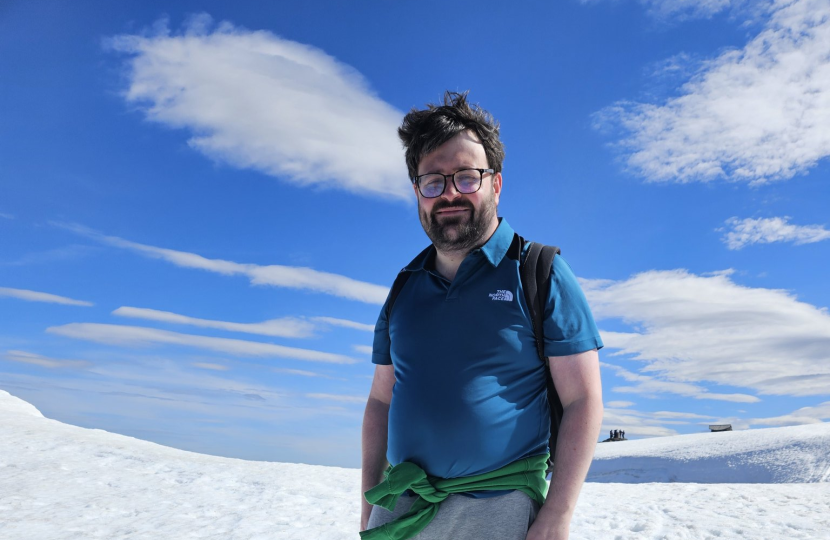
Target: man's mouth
452, 210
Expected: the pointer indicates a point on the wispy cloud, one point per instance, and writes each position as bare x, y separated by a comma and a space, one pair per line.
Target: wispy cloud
286, 327
804, 415
363, 349
139, 336
649, 423
302, 373
345, 323
679, 10
258, 101
210, 366
707, 328
651, 387
681, 415
6, 216
294, 277
769, 230
50, 256
35, 296
634, 423
339, 397
619, 404
755, 115
43, 361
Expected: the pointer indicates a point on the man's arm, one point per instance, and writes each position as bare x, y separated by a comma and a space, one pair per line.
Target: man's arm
375, 432
578, 384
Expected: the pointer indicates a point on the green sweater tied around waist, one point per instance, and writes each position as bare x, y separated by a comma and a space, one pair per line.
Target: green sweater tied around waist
526, 475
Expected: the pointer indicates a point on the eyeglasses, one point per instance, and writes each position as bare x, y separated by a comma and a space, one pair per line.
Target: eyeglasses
466, 181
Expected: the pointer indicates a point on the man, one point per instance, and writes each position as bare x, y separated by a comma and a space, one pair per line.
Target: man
458, 399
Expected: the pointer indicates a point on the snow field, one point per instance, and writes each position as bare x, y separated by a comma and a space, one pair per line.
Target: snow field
797, 454
61, 482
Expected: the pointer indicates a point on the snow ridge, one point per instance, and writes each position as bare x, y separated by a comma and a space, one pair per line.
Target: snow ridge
61, 482
797, 454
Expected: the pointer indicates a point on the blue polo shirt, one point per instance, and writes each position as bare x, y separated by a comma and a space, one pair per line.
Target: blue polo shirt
470, 394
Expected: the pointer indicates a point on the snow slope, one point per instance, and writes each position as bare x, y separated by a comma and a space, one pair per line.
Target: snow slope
775, 455
64, 482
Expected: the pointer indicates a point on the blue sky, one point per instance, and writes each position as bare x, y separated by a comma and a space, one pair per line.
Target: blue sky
202, 206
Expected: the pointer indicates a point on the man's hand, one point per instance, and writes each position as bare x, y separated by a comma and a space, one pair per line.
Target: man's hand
375, 432
545, 529
578, 384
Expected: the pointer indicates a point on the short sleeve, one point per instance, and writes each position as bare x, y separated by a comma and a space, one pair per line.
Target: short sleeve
569, 323
381, 344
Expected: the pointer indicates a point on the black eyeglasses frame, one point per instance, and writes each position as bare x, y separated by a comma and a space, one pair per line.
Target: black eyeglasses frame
417, 181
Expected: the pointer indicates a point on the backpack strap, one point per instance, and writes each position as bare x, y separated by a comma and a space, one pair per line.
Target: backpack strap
535, 271
397, 286
400, 281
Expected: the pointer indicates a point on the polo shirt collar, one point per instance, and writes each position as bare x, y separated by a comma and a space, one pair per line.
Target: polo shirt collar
496, 247
493, 250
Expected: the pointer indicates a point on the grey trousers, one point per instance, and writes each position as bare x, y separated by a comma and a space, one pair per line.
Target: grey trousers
507, 517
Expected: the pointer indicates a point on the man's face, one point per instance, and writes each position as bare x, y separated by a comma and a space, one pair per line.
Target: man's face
456, 221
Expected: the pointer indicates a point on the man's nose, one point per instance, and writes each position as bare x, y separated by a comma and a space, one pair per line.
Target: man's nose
450, 193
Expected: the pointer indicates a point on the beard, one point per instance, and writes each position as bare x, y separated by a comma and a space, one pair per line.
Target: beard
458, 233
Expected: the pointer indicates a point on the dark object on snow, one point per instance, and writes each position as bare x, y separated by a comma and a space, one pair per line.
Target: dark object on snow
714, 428
615, 435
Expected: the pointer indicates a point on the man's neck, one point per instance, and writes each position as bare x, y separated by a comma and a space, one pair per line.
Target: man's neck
448, 262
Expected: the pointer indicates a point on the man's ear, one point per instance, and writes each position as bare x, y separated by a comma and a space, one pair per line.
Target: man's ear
497, 186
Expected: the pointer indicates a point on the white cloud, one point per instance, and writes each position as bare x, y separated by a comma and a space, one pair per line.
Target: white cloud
684, 415
294, 277
345, 323
649, 424
634, 423
619, 404
301, 373
66, 253
755, 115
210, 366
43, 361
286, 327
363, 349
138, 336
6, 216
769, 230
804, 415
651, 387
708, 328
34, 296
258, 101
688, 9
339, 397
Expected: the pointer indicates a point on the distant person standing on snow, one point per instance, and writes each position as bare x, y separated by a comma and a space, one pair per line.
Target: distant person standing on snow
459, 392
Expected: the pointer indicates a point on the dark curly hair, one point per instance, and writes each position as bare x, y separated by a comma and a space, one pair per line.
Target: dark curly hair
422, 131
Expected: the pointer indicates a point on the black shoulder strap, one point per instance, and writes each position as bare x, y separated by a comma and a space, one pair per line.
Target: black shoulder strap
397, 285
535, 269
400, 281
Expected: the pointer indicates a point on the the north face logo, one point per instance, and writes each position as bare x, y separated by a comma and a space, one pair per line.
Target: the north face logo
506, 296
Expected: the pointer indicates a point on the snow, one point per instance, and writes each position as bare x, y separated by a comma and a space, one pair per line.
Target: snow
798, 454
64, 482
